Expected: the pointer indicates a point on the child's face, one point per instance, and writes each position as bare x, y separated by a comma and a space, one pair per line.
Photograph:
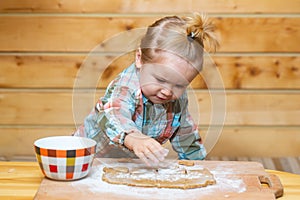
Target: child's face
166, 79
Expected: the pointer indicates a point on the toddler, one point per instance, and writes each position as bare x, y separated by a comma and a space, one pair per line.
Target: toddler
146, 105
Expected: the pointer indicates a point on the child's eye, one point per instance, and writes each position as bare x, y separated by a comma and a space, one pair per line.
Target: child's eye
160, 80
180, 86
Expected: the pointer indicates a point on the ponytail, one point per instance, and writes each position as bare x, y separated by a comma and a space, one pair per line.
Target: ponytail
201, 29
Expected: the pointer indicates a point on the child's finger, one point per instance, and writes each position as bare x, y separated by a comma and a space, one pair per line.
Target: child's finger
165, 152
161, 153
143, 158
150, 156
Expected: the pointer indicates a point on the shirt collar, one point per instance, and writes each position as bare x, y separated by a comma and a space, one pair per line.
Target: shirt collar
145, 100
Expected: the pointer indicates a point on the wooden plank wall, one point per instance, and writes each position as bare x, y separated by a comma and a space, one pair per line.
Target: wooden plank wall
43, 44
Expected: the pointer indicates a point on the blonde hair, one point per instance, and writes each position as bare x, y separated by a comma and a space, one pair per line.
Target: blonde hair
182, 36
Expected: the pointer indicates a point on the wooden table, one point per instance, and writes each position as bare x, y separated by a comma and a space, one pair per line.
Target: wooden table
21, 180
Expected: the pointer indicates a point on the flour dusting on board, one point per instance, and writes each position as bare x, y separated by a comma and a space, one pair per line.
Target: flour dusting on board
94, 184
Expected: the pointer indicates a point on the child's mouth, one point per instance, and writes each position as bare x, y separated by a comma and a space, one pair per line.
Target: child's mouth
162, 99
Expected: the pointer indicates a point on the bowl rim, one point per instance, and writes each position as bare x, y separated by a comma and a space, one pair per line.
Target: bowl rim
40, 143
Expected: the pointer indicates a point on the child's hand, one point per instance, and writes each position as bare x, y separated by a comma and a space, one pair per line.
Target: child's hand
146, 148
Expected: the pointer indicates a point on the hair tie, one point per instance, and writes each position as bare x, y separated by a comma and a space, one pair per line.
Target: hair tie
191, 36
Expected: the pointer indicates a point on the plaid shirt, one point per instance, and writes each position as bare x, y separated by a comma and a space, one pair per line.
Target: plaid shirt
124, 109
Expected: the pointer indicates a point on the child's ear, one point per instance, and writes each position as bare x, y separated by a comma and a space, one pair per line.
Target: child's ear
138, 60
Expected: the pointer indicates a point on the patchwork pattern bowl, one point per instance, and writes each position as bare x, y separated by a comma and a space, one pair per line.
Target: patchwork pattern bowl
65, 157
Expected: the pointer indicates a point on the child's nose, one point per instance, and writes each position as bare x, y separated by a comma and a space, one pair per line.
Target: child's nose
167, 92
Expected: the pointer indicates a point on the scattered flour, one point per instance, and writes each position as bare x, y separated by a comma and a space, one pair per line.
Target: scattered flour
93, 182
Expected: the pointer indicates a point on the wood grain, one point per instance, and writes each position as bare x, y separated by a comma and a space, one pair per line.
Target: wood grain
19, 180
45, 43
23, 139
238, 141
61, 71
143, 6
250, 108
52, 71
14, 188
77, 34
258, 141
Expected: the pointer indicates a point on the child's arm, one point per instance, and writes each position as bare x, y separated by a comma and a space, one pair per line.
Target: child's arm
113, 117
189, 146
119, 110
88, 128
187, 142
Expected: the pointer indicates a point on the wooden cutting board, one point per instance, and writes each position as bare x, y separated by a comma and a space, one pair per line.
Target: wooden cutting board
235, 180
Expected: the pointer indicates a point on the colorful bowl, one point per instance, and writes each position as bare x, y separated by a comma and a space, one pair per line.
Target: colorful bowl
65, 157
